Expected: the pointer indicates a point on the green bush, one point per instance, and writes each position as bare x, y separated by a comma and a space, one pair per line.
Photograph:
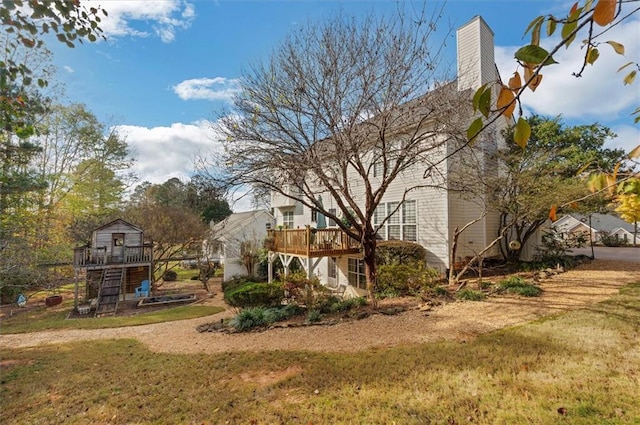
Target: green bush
440, 291
255, 295
170, 276
517, 285
469, 295
303, 291
399, 252
404, 279
608, 239
314, 316
566, 261
236, 282
260, 316
9, 294
348, 305
274, 314
325, 304
248, 319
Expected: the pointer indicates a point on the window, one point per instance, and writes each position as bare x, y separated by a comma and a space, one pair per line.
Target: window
118, 239
409, 220
314, 215
402, 222
332, 270
287, 219
378, 169
393, 223
332, 222
356, 274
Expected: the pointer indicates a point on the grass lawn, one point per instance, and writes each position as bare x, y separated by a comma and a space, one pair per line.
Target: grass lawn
582, 367
44, 318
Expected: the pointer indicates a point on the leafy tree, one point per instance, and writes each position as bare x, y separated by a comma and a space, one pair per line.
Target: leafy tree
628, 200
74, 147
546, 172
587, 20
205, 197
330, 106
200, 195
24, 23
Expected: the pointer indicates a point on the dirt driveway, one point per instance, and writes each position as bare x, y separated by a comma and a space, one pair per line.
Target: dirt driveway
587, 284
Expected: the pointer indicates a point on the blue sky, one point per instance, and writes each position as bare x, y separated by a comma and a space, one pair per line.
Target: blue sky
169, 67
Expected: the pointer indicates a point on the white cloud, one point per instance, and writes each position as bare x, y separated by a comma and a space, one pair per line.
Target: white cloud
599, 95
68, 69
164, 152
628, 138
144, 18
218, 88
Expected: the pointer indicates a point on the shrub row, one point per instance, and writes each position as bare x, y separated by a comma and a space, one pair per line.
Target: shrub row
260, 316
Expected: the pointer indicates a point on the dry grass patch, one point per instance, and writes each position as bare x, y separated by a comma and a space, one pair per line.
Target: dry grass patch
582, 367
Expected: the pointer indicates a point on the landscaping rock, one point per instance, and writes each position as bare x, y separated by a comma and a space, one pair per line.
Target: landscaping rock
211, 327
391, 311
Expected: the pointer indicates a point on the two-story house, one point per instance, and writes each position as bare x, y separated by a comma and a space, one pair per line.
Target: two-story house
428, 214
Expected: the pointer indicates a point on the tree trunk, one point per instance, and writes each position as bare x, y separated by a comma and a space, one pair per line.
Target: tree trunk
452, 257
369, 250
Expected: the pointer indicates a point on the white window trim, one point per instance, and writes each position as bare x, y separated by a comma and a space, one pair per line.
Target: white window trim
398, 219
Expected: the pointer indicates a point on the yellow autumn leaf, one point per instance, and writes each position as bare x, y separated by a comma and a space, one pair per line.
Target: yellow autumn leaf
596, 183
604, 12
629, 77
535, 82
625, 65
635, 153
506, 102
515, 83
619, 48
611, 183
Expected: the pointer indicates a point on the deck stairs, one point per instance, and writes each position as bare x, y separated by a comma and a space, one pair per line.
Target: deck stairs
109, 292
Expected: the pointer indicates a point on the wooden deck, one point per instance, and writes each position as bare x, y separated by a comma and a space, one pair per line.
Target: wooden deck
311, 243
98, 257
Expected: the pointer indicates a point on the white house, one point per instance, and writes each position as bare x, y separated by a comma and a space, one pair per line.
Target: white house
235, 236
429, 215
598, 225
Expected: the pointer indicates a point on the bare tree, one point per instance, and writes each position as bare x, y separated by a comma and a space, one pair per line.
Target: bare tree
340, 109
175, 232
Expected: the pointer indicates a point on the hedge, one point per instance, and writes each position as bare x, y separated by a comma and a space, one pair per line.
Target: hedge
399, 252
255, 295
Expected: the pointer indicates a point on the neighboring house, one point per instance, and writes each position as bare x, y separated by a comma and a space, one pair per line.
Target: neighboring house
116, 261
428, 216
235, 237
598, 225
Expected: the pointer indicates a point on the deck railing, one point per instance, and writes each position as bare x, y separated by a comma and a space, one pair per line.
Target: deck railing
85, 257
311, 242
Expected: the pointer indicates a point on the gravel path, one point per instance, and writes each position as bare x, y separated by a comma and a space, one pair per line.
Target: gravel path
587, 284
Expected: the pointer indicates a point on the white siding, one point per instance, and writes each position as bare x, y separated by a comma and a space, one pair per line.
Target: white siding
476, 63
